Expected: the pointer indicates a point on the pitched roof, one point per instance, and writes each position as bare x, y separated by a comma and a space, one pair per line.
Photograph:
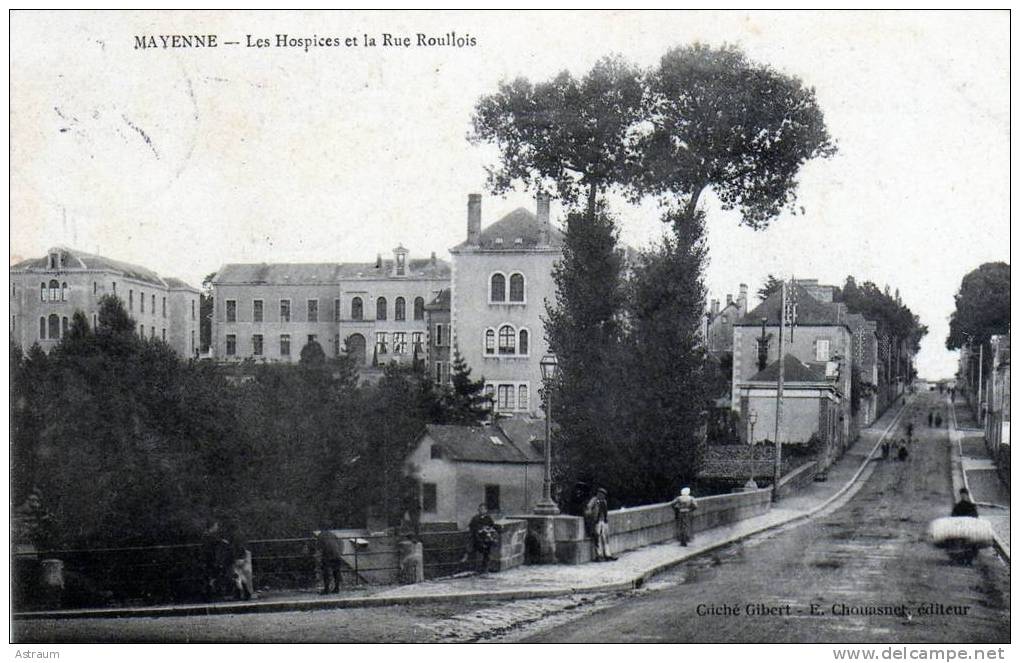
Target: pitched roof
178, 284
441, 302
810, 311
485, 443
504, 234
794, 370
75, 259
326, 273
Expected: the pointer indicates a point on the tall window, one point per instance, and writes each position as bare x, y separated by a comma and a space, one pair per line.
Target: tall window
357, 309
153, 308
141, 331
95, 321
192, 309
257, 310
399, 312
439, 372
284, 310
42, 292
399, 343
380, 308
497, 291
256, 345
53, 323
822, 349
505, 397
13, 324
419, 308
490, 342
400, 264
313, 310
517, 287
231, 310
380, 343
152, 332
141, 301
428, 498
522, 397
54, 290
164, 307
522, 347
64, 323
114, 287
63, 292
95, 288
285, 345
231, 345
439, 335
162, 333
492, 497
192, 348
42, 328
507, 340
416, 343
131, 300
336, 310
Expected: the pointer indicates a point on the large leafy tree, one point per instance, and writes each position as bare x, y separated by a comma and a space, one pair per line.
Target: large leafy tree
719, 121
769, 287
572, 133
982, 306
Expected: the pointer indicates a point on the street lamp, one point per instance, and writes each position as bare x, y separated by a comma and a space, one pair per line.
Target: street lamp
751, 419
546, 507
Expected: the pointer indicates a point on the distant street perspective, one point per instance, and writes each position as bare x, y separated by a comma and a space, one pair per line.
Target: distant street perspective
610, 352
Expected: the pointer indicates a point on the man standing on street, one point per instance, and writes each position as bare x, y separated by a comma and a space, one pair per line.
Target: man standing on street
483, 535
596, 520
684, 507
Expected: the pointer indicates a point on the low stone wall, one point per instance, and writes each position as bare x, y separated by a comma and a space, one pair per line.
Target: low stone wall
509, 551
798, 478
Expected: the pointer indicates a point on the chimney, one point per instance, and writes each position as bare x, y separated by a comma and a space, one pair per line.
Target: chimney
729, 299
542, 214
378, 261
742, 299
474, 225
715, 307
433, 258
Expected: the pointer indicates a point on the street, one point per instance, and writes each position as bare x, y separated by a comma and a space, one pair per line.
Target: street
813, 582
872, 552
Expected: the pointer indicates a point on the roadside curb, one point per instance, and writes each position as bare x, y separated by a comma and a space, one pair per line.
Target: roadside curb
636, 582
959, 476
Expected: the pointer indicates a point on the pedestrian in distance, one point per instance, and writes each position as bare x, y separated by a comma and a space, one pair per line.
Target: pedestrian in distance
596, 521
885, 449
483, 536
938, 421
910, 430
931, 418
901, 452
683, 507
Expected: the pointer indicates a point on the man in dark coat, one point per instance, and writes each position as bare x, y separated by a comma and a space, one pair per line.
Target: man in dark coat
483, 535
965, 507
596, 522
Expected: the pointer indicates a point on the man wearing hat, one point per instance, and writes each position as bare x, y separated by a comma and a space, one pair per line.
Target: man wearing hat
596, 520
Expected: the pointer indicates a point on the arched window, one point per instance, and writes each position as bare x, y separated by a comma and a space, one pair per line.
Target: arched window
42, 329
419, 308
497, 293
399, 309
42, 293
490, 342
522, 347
357, 309
380, 308
507, 340
517, 287
63, 292
53, 332
54, 290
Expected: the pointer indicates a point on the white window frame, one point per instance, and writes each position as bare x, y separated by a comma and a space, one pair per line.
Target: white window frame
289, 349
308, 310
506, 289
226, 344
380, 343
290, 310
524, 279
226, 309
485, 342
527, 331
258, 350
515, 386
254, 318
400, 343
818, 349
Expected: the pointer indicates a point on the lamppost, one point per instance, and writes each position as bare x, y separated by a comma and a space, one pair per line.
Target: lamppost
546, 506
751, 419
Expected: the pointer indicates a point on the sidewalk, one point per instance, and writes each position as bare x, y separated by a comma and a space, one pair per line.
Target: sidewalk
538, 581
978, 473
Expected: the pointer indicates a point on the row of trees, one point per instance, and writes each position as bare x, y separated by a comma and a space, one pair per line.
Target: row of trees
631, 396
982, 309
128, 444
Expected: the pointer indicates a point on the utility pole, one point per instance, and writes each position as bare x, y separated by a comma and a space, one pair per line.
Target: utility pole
777, 470
981, 368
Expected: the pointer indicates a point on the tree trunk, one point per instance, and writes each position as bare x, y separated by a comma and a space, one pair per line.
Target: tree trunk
692, 205
592, 196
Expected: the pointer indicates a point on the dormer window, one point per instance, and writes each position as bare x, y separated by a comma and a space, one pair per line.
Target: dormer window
55, 261
401, 266
400, 261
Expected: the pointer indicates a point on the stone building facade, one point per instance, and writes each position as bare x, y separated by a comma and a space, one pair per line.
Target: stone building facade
439, 355
374, 312
45, 293
502, 279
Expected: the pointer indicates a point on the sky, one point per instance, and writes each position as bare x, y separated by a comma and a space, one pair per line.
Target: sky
182, 160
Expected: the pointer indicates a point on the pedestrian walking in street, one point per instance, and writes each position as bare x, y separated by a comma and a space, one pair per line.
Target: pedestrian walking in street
885, 450
965, 507
938, 421
483, 536
683, 507
910, 430
596, 521
901, 450
931, 418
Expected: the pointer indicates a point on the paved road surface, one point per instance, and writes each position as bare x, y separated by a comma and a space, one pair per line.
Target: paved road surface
871, 553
